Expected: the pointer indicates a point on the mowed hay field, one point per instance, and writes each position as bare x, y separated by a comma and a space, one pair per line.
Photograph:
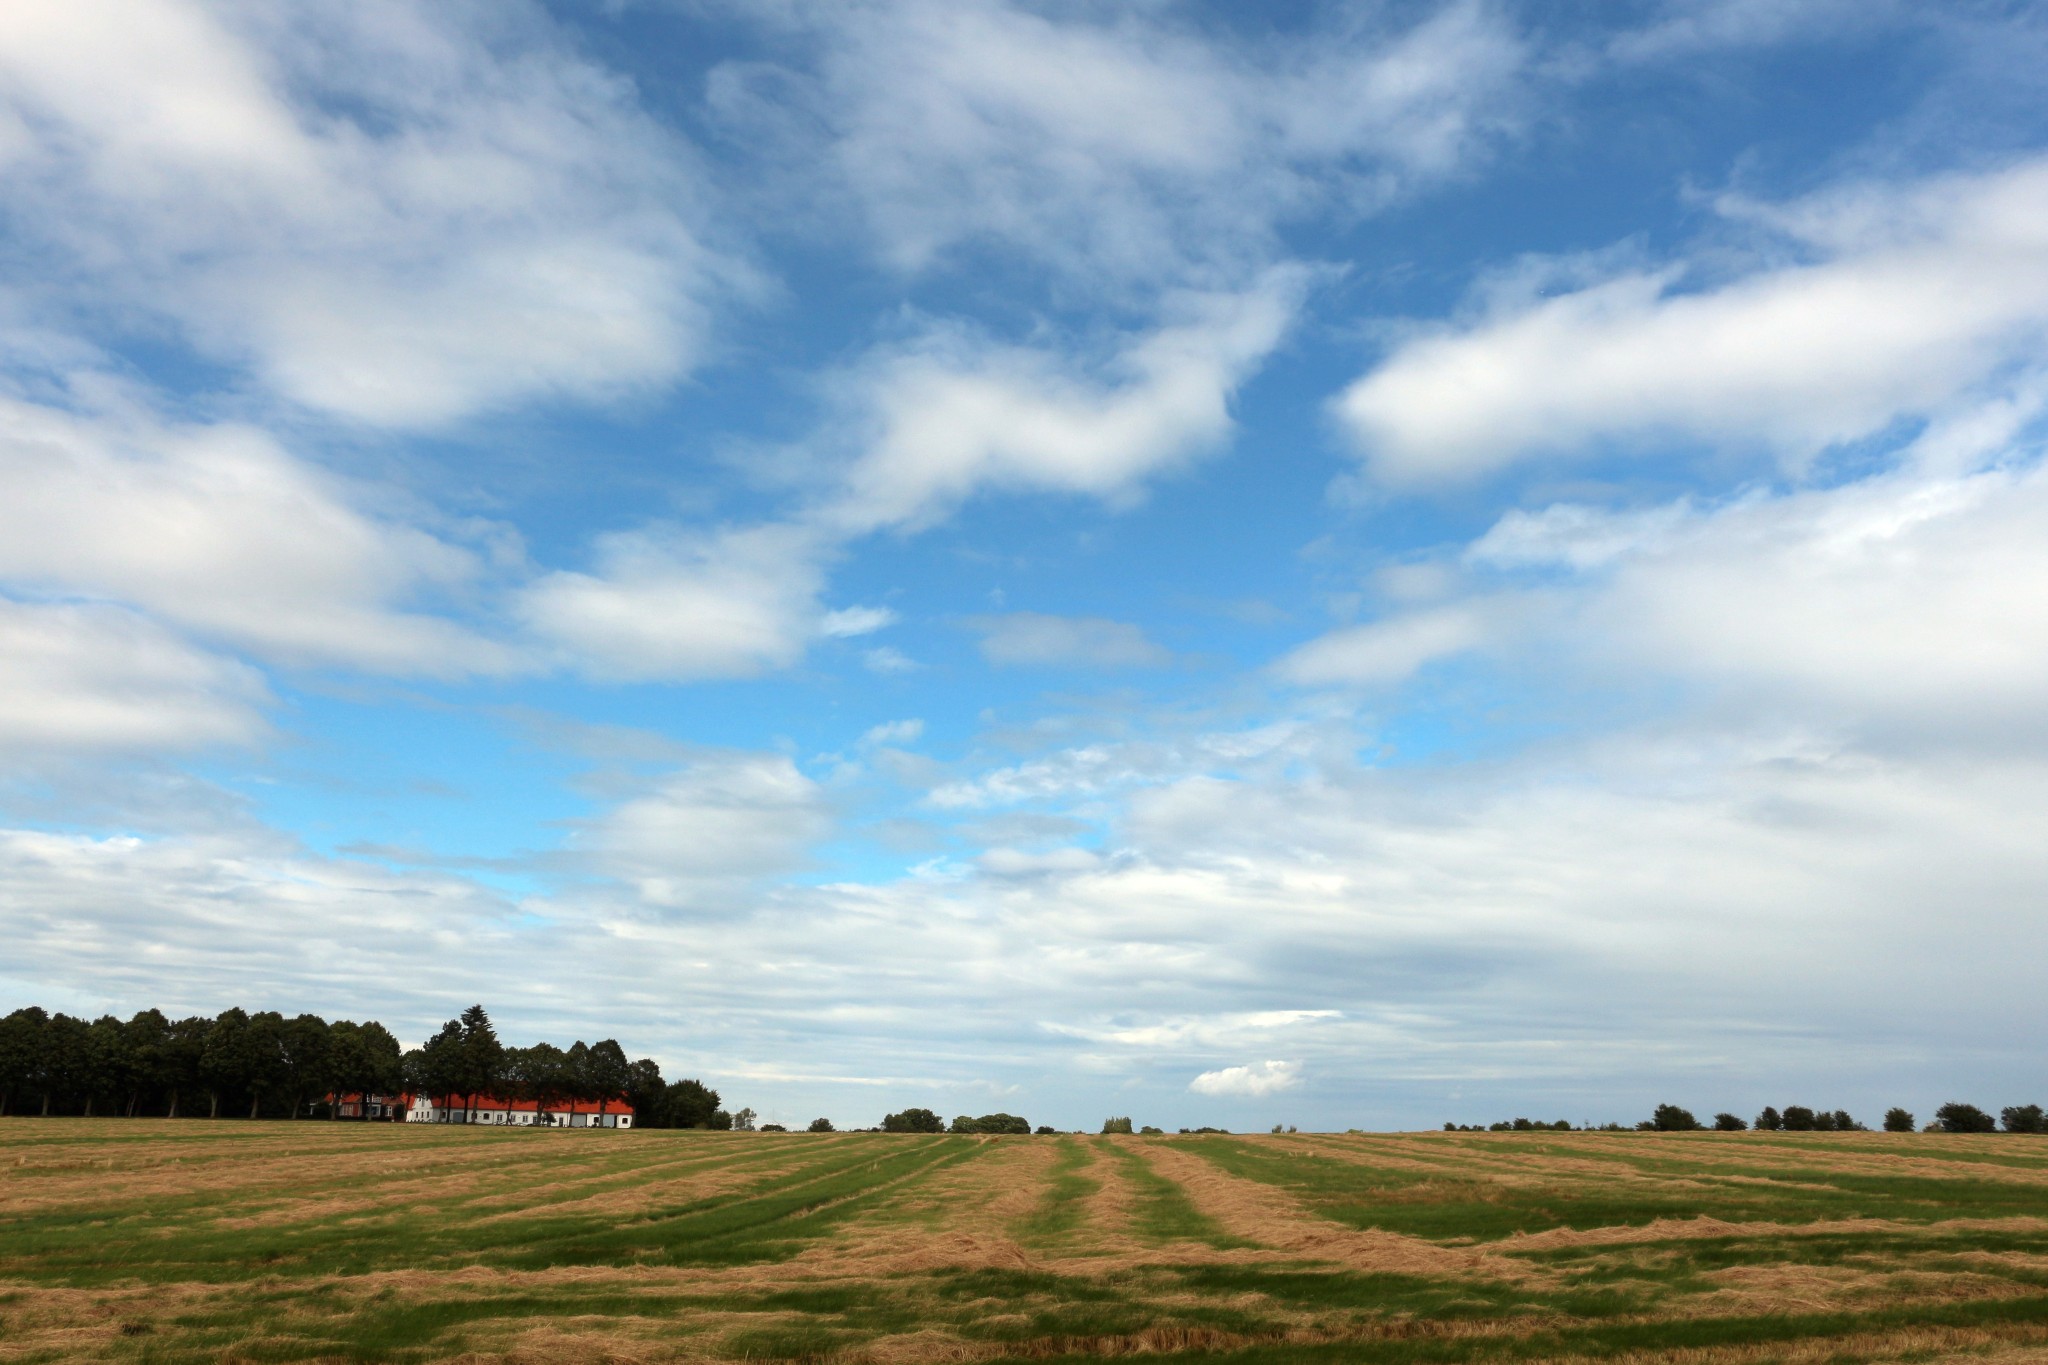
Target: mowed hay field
195, 1241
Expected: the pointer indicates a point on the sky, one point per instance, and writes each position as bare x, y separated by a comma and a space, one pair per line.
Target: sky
1352, 565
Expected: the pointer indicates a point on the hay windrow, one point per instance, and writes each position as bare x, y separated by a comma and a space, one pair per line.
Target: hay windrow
209, 1242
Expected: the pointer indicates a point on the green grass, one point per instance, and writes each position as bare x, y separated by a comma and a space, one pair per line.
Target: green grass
180, 1243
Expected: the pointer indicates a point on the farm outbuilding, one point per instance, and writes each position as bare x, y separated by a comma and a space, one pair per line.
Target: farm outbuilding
493, 1109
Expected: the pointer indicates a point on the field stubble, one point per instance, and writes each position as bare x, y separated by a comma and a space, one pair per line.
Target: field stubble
156, 1241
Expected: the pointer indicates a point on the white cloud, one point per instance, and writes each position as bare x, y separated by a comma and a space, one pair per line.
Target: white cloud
726, 819
887, 660
1686, 29
1388, 650
393, 212
955, 416
96, 678
221, 531
1901, 598
1253, 1080
1032, 638
671, 604
1917, 294
1127, 147
851, 621
1090, 770
1011, 862
893, 732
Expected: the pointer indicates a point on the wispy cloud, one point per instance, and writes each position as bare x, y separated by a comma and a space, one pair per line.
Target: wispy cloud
1918, 293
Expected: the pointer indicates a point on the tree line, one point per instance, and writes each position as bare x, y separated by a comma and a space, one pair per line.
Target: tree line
262, 1064
1953, 1117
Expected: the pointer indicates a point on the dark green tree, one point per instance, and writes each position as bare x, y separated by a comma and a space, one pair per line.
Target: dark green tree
1123, 1125
482, 1057
1728, 1123
435, 1068
1898, 1120
1669, 1118
148, 1033
362, 1059
691, 1104
913, 1121
65, 1065
991, 1123
646, 1093
1799, 1119
21, 1054
184, 1058
2023, 1118
541, 1073
607, 1073
1956, 1117
107, 1066
1770, 1121
266, 1065
821, 1126
308, 1059
577, 1062
223, 1059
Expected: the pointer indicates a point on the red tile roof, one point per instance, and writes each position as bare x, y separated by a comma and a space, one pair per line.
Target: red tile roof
618, 1106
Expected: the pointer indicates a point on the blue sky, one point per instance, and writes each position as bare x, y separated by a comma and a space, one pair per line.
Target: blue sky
1353, 565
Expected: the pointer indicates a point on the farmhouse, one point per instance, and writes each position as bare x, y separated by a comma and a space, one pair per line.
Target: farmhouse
519, 1113
357, 1106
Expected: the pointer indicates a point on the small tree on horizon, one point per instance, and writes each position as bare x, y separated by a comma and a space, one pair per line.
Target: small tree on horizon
1957, 1117
913, 1121
2023, 1118
1669, 1118
1728, 1123
1897, 1120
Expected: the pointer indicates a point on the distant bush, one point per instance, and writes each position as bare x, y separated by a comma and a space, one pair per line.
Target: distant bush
1799, 1119
1124, 1126
1770, 1121
1043, 1128
2023, 1118
1226, 1130
1149, 1131
913, 1121
1954, 1117
821, 1126
1898, 1120
1845, 1124
1669, 1118
991, 1123
1728, 1123
773, 1128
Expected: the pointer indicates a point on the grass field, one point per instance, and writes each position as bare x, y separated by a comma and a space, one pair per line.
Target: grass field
194, 1241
